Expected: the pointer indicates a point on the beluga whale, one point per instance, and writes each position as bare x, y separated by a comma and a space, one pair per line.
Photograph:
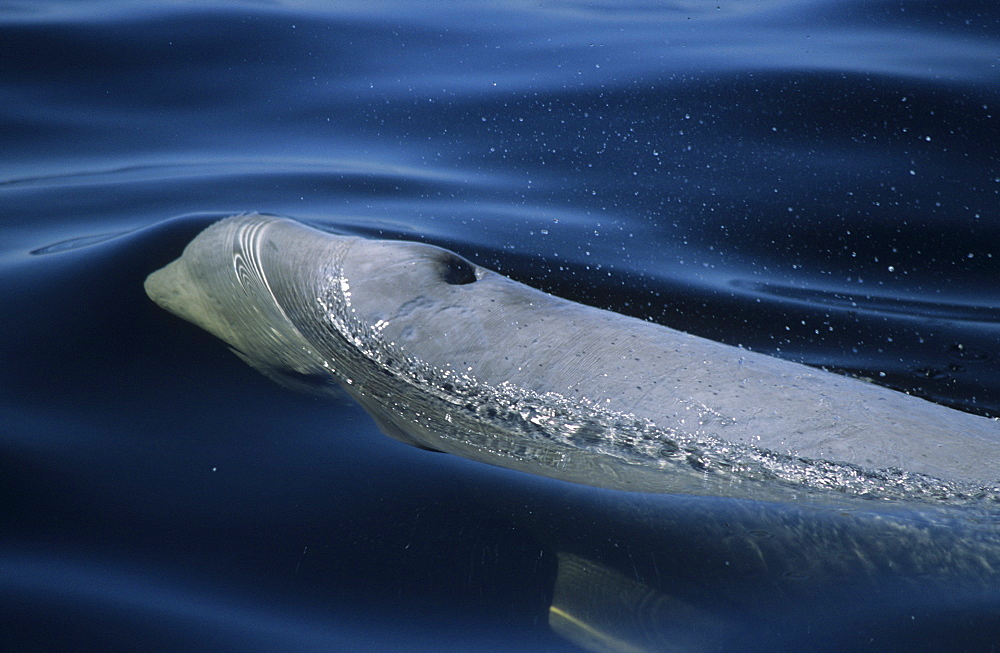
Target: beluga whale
449, 356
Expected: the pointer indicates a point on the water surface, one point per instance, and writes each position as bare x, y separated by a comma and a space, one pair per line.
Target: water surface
816, 180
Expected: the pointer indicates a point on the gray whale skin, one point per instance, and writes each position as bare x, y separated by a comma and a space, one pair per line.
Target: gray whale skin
449, 356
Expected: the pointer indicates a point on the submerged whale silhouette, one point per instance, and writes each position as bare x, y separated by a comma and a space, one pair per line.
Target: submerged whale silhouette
449, 356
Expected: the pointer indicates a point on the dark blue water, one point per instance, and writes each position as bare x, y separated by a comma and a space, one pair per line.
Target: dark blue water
817, 180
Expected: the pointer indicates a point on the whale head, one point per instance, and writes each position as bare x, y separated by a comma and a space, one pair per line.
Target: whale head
256, 282
306, 308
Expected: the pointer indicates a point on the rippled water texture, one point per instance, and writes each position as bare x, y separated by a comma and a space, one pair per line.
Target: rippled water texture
815, 180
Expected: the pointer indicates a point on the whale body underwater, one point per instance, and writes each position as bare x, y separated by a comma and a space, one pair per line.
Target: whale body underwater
449, 356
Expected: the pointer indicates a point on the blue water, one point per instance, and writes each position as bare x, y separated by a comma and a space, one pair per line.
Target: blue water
817, 180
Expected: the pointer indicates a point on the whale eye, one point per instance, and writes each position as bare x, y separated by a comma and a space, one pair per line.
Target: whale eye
456, 271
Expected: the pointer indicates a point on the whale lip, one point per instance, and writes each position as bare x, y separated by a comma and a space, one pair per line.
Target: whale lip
174, 288
166, 287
